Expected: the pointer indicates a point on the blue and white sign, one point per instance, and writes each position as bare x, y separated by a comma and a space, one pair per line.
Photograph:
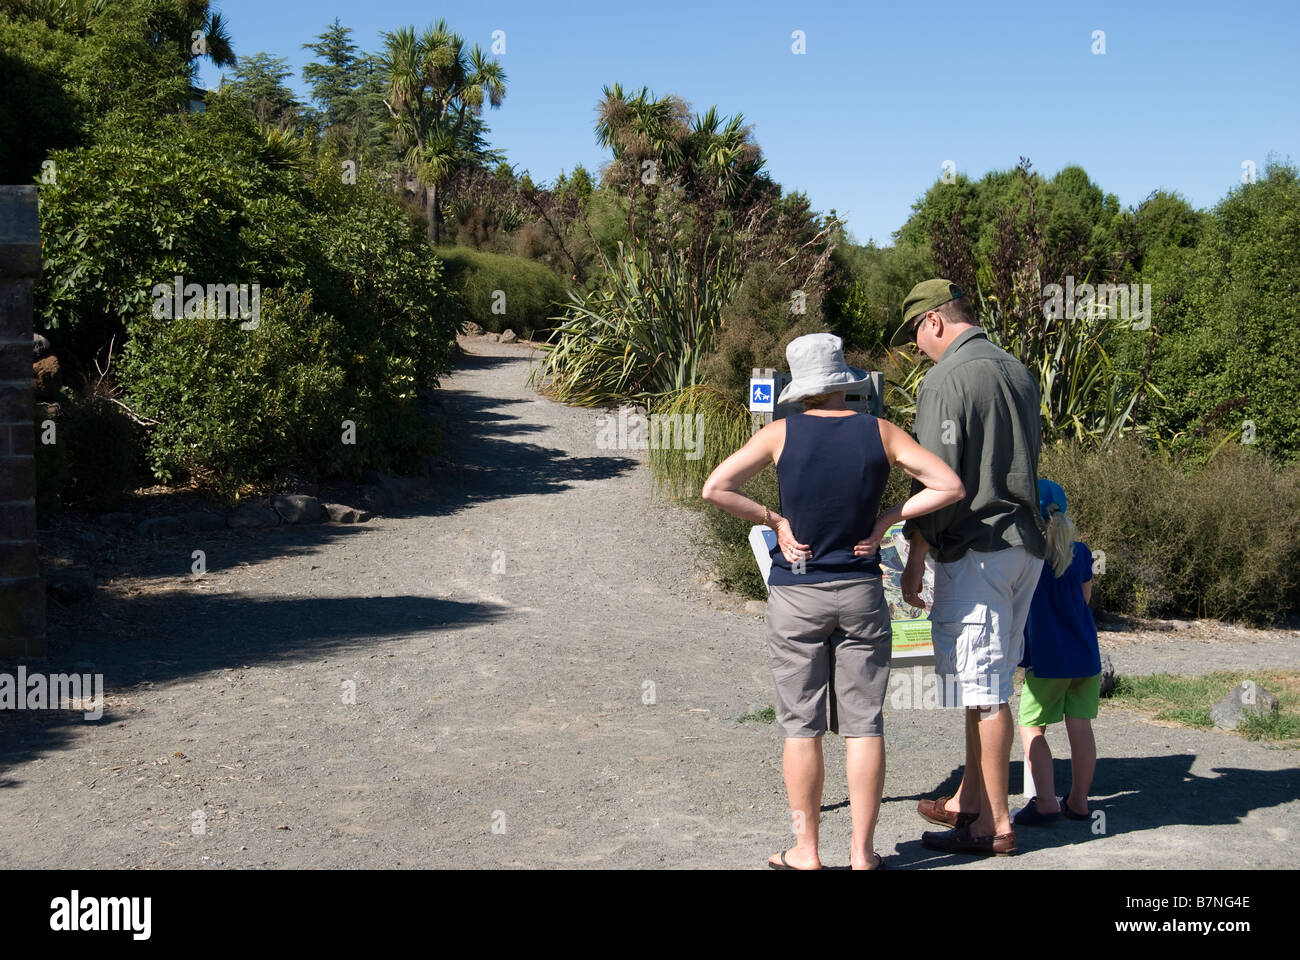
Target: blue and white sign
762, 396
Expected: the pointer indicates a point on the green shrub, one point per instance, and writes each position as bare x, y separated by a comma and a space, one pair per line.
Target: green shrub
97, 453
355, 317
532, 293
757, 325
1222, 541
234, 405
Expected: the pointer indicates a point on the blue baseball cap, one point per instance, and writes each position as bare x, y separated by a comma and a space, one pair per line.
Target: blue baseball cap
1049, 493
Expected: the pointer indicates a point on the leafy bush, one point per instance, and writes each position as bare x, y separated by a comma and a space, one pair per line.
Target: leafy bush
354, 315
1222, 541
1224, 362
532, 293
96, 454
757, 325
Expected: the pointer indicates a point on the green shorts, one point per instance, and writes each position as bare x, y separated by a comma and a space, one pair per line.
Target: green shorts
1045, 700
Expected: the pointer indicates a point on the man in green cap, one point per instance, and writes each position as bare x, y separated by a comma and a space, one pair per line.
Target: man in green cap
978, 410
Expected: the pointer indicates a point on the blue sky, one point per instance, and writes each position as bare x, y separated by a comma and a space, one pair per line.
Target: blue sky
864, 121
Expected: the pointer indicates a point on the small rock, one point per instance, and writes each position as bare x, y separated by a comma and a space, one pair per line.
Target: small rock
1107, 675
40, 347
90, 537
47, 380
472, 329
298, 508
376, 499
508, 337
70, 585
756, 608
342, 513
161, 527
201, 521
1180, 624
1246, 697
118, 521
253, 515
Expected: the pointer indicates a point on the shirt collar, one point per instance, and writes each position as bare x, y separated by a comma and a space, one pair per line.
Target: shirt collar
972, 334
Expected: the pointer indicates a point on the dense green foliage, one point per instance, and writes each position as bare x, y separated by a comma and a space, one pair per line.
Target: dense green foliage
354, 314
529, 295
1222, 541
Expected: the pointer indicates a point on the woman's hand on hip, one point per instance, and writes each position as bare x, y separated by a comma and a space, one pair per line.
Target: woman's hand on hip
791, 549
871, 546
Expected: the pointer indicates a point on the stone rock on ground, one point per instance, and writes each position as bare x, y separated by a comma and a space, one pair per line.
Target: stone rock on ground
202, 521
508, 337
1246, 697
380, 492
342, 513
40, 347
253, 515
472, 329
494, 337
69, 586
161, 526
46, 378
298, 508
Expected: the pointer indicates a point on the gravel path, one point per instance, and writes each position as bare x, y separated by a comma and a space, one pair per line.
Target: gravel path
539, 682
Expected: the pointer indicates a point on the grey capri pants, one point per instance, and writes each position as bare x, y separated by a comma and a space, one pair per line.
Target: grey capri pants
830, 638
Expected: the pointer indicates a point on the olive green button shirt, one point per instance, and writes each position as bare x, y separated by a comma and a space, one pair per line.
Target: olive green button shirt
978, 410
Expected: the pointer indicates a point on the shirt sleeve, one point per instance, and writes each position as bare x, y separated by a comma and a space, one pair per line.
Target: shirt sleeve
941, 431
1083, 561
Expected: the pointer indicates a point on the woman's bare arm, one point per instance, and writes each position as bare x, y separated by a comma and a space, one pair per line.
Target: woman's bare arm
941, 486
722, 488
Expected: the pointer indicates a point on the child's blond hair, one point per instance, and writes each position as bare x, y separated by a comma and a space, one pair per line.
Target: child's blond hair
1060, 539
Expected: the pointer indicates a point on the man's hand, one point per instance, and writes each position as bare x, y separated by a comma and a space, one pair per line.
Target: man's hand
912, 579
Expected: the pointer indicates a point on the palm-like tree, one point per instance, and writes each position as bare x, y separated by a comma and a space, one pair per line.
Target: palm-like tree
433, 87
703, 153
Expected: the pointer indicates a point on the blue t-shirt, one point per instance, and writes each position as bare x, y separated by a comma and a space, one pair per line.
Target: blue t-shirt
1060, 635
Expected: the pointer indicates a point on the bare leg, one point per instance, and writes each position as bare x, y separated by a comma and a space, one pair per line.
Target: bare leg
995, 760
967, 797
1083, 762
865, 765
805, 772
1039, 757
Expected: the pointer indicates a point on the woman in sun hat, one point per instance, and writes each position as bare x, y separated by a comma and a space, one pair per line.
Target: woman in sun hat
827, 622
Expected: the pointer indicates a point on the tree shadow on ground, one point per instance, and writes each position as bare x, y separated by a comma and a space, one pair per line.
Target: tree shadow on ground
146, 624
1132, 794
170, 635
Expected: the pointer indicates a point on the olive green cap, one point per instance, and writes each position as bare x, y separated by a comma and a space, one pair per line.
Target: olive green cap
925, 296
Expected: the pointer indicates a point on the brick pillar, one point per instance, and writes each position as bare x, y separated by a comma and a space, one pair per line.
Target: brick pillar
22, 595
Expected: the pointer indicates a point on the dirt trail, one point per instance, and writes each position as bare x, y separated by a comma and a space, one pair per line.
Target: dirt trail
538, 683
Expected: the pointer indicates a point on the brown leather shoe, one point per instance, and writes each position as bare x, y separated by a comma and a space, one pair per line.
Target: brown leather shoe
959, 840
933, 811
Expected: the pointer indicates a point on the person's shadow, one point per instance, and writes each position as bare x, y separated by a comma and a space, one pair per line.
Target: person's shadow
1140, 793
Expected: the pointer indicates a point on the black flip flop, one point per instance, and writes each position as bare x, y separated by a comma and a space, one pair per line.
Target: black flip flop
784, 865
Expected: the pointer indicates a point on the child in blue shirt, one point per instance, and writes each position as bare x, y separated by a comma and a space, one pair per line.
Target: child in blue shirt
1063, 667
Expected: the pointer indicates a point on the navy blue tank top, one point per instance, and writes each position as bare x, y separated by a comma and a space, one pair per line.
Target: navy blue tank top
832, 473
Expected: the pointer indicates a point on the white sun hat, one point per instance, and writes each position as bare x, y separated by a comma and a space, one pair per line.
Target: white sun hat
817, 366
